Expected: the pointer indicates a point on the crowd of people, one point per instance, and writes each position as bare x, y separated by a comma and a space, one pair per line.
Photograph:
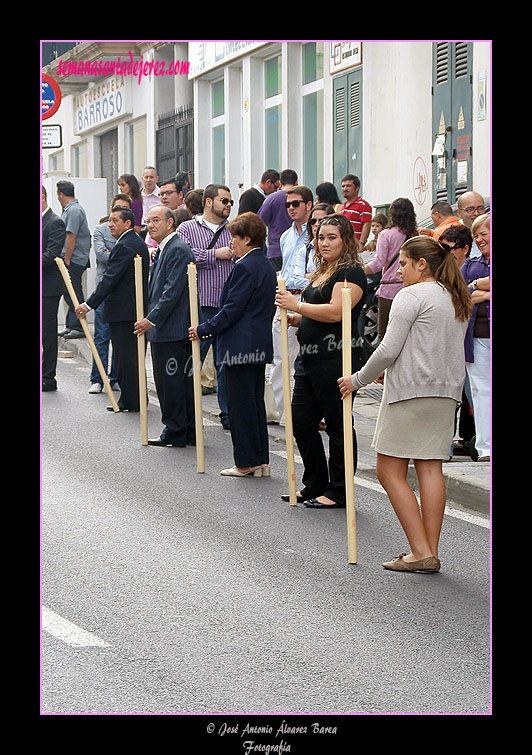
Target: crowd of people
433, 323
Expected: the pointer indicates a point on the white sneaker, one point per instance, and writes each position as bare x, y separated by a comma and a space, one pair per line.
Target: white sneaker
96, 388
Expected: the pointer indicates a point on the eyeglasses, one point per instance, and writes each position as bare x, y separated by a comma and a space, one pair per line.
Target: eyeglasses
481, 210
294, 203
225, 201
167, 193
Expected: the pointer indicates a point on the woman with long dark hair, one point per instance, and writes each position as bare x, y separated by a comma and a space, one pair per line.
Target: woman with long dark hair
402, 226
318, 317
128, 184
423, 355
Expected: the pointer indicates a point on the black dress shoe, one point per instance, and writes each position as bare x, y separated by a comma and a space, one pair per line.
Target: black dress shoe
49, 387
299, 498
110, 408
313, 503
74, 334
161, 442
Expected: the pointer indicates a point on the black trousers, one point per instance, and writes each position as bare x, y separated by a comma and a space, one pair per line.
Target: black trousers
172, 371
247, 413
317, 396
76, 274
50, 307
126, 362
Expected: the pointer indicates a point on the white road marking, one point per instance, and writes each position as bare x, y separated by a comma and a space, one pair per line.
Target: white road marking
68, 632
450, 510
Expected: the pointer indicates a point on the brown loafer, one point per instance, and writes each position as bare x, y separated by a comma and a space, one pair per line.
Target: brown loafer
431, 564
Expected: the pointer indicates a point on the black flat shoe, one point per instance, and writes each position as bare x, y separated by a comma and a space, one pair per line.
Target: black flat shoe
313, 503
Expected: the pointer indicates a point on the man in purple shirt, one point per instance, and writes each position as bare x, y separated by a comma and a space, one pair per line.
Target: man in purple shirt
209, 240
274, 213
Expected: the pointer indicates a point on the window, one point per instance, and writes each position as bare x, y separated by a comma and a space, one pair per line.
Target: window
312, 61
218, 131
272, 77
137, 156
79, 159
272, 112
217, 99
313, 138
312, 127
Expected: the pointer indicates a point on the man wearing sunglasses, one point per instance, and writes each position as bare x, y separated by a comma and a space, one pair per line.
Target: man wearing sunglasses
209, 240
299, 201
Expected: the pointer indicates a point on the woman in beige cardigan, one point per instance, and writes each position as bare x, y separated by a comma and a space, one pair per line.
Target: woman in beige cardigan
423, 355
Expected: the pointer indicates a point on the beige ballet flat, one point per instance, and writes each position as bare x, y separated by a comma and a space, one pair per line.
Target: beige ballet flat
431, 564
233, 472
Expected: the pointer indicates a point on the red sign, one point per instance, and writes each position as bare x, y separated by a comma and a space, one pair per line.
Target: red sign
50, 96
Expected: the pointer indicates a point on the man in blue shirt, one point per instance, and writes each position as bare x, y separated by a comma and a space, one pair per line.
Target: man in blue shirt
274, 213
299, 201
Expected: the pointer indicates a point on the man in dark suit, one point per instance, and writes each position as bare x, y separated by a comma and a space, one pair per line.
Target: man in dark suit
117, 292
166, 326
53, 288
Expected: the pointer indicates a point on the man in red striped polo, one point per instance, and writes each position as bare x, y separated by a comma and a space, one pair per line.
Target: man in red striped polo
356, 209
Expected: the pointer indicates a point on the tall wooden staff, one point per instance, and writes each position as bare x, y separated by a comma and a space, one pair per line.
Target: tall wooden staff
289, 432
348, 430
196, 364
70, 288
141, 348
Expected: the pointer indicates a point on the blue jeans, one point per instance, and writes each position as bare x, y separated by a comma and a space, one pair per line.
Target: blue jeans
102, 339
206, 314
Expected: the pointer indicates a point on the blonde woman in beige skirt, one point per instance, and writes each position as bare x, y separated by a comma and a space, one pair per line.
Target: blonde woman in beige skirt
423, 356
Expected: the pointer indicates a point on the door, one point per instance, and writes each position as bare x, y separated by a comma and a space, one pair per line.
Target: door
109, 162
347, 126
452, 111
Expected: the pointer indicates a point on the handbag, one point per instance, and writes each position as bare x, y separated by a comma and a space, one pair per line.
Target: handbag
272, 415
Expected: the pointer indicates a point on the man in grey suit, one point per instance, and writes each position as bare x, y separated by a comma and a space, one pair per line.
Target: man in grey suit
166, 326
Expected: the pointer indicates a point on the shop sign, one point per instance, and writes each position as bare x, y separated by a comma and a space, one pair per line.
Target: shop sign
102, 103
204, 56
344, 55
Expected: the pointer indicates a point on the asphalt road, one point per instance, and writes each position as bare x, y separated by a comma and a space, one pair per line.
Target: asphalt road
169, 592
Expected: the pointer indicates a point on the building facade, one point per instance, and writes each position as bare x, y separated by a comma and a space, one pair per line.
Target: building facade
410, 118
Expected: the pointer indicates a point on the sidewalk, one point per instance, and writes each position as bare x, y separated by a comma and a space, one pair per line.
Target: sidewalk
467, 482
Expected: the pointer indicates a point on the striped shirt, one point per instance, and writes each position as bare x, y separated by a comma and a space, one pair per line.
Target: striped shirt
358, 212
212, 272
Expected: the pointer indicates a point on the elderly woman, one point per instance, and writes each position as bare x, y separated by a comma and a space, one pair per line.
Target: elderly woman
319, 318
243, 331
476, 271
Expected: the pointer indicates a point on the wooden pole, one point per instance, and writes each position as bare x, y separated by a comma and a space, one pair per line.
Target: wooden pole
348, 430
141, 349
289, 431
196, 364
90, 340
